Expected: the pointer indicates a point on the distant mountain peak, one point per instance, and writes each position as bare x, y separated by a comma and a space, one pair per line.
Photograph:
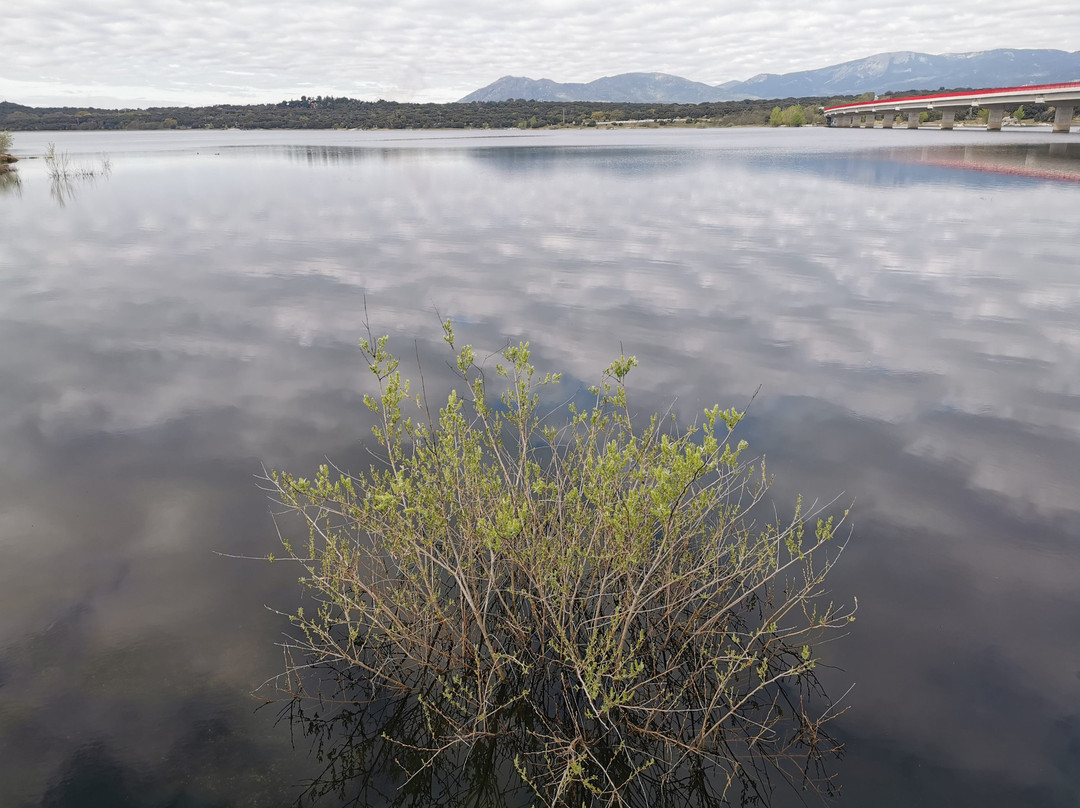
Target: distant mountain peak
883, 72
641, 87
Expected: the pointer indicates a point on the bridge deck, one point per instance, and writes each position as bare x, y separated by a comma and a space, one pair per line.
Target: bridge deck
1065, 96
1035, 94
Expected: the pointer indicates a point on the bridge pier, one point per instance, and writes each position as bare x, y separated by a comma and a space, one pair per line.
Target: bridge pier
993, 123
948, 118
887, 120
868, 120
1063, 116
913, 119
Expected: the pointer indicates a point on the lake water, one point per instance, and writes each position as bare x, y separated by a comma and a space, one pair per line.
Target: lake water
908, 303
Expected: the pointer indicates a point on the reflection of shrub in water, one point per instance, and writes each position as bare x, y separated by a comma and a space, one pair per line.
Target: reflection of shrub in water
362, 766
592, 606
10, 183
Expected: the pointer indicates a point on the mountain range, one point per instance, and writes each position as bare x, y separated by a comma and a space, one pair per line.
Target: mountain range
883, 72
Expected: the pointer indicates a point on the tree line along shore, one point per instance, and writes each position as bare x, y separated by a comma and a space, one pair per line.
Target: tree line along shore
321, 112
345, 113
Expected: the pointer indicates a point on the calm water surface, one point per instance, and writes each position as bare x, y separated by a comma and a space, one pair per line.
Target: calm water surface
908, 302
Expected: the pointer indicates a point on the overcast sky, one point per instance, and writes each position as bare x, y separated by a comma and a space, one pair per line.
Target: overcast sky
157, 52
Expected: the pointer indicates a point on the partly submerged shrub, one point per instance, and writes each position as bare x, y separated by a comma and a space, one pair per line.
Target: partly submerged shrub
594, 597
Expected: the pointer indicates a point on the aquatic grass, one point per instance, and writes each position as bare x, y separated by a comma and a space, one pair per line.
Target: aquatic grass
61, 167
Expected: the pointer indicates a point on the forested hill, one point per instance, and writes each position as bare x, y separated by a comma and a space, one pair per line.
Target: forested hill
330, 113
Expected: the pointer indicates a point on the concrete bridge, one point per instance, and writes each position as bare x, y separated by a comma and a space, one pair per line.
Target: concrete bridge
1064, 97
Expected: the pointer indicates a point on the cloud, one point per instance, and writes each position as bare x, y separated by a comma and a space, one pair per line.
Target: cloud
206, 51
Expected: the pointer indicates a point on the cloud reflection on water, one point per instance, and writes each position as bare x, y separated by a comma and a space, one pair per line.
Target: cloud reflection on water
916, 342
